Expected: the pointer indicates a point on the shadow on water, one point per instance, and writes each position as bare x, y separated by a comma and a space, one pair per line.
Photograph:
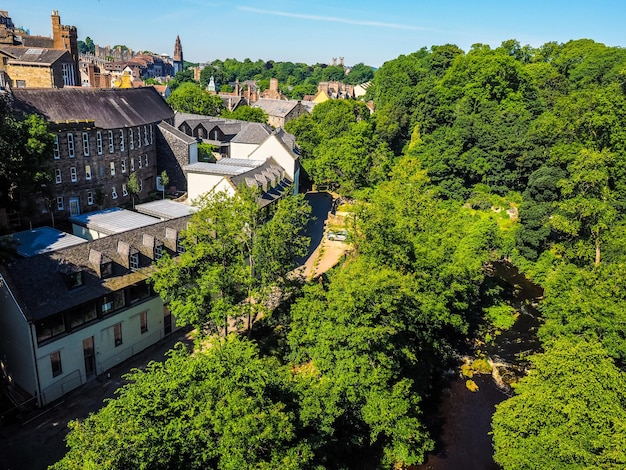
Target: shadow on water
460, 420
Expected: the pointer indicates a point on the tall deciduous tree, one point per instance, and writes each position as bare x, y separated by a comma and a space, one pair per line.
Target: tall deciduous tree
231, 258
568, 412
588, 208
26, 147
190, 98
224, 408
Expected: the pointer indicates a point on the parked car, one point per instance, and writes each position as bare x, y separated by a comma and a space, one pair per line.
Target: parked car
339, 235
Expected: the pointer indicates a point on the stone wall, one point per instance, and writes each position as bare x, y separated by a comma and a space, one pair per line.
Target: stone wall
173, 154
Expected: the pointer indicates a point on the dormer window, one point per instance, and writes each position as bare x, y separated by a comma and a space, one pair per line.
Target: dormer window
106, 269
158, 252
133, 261
75, 280
72, 275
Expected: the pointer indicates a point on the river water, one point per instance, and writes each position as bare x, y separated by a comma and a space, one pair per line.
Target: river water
460, 420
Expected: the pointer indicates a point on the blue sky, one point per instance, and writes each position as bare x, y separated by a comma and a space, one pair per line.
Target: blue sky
365, 31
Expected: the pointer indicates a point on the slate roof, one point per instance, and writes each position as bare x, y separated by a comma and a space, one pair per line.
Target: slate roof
253, 133
109, 108
33, 55
180, 135
39, 286
278, 108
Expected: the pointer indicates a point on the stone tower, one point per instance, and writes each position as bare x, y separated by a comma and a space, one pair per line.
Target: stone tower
178, 56
65, 37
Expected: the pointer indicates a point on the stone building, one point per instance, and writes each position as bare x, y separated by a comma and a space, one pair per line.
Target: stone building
22, 67
280, 112
38, 61
102, 136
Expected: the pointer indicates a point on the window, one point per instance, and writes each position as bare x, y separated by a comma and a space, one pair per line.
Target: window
82, 315
139, 162
117, 333
145, 135
73, 175
57, 176
143, 321
124, 189
86, 144
60, 203
87, 172
49, 328
151, 133
179, 246
145, 160
90, 198
57, 153
99, 142
68, 74
138, 292
140, 185
55, 362
131, 138
158, 252
20, 83
138, 137
113, 193
111, 142
124, 165
134, 261
132, 164
122, 146
112, 168
70, 145
112, 302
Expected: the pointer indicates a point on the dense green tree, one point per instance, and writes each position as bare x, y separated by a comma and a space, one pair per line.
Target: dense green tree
87, 46
224, 408
217, 279
246, 113
568, 412
190, 98
356, 342
26, 147
184, 76
588, 207
359, 73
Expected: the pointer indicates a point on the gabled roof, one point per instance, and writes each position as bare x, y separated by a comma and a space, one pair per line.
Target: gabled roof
253, 133
109, 108
33, 55
180, 135
279, 108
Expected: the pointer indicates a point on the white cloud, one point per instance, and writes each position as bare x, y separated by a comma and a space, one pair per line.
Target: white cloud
333, 19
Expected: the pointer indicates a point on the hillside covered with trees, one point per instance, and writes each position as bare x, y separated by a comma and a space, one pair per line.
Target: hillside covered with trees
510, 153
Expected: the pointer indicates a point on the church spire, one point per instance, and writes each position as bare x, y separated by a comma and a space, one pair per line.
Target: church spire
178, 56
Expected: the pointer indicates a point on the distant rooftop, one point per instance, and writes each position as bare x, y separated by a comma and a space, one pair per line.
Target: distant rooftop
44, 240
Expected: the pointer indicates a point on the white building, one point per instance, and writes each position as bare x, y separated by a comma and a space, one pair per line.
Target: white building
70, 314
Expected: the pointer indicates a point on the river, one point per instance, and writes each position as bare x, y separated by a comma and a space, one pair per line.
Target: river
460, 420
